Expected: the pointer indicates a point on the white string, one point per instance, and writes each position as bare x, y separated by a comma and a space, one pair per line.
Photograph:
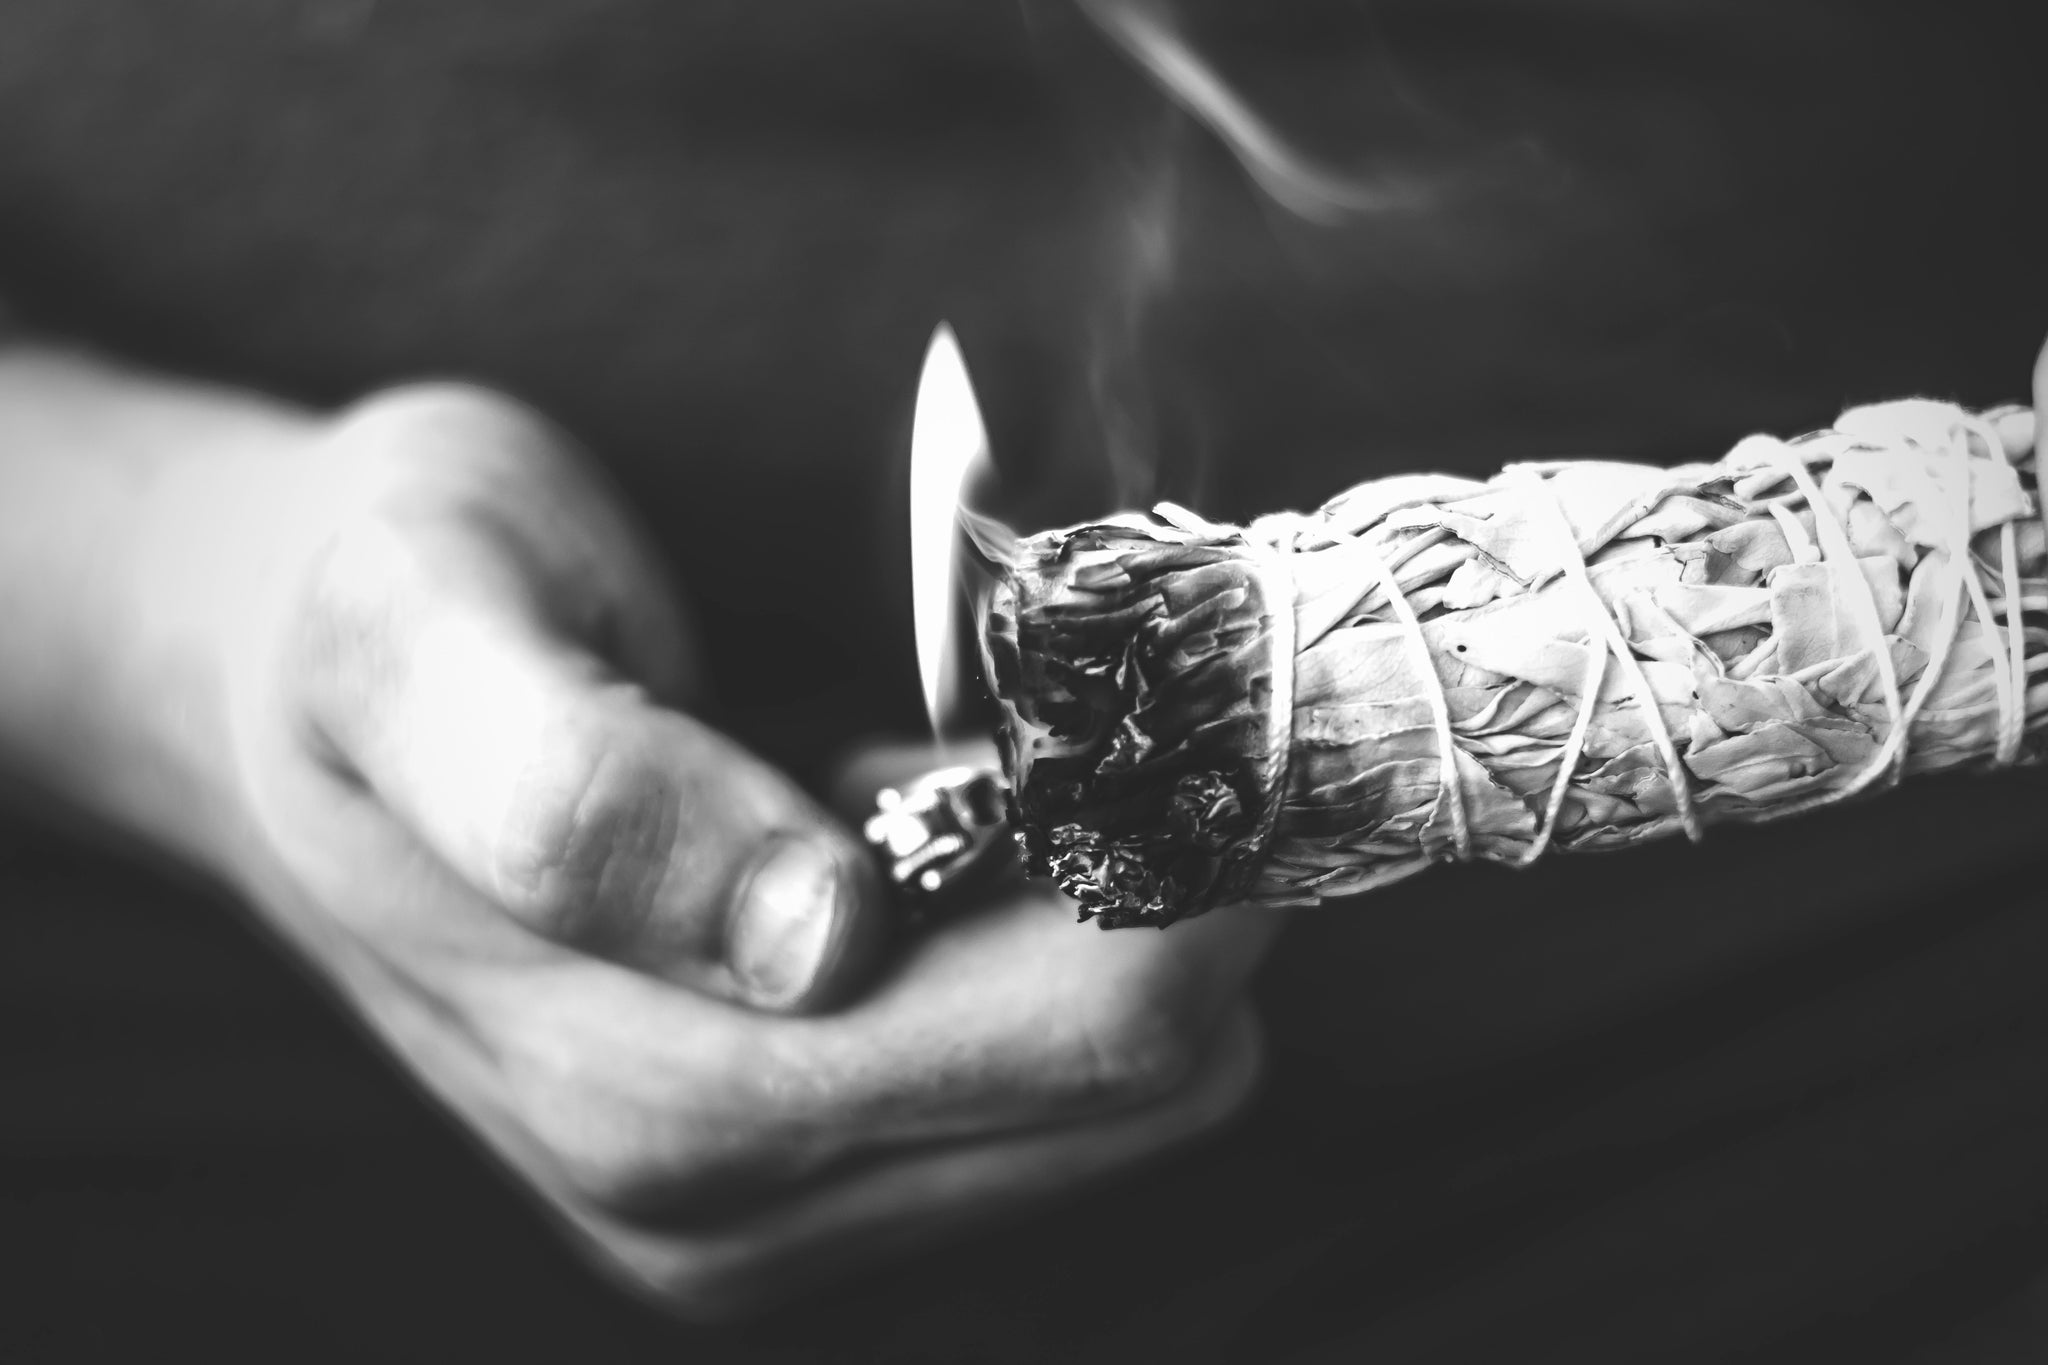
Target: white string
1589, 688
2012, 726
1276, 580
2039, 455
1840, 557
1894, 746
1574, 748
2012, 710
1959, 535
1440, 706
1572, 560
1960, 585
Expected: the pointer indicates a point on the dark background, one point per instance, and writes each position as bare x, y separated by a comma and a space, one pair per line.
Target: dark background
1778, 1098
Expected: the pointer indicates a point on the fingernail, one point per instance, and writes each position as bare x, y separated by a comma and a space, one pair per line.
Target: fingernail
785, 921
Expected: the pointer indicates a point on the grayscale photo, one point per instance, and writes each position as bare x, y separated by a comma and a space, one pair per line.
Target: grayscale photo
1023, 682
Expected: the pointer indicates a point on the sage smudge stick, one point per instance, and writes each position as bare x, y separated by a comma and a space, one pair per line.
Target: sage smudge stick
1572, 655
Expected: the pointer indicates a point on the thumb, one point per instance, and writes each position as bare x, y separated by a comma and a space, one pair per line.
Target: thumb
594, 817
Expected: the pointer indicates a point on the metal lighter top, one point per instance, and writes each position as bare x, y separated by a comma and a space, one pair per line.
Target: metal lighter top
942, 829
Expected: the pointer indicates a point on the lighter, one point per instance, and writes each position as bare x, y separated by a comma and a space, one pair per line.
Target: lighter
942, 831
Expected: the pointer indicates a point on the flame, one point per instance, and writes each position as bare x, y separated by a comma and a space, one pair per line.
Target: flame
1146, 33
948, 449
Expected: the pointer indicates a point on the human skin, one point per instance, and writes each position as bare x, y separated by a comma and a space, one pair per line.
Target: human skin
406, 682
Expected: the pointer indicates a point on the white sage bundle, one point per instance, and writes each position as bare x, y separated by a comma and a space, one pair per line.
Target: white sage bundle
1571, 655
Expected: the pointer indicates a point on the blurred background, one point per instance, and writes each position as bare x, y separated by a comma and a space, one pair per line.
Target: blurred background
1783, 1100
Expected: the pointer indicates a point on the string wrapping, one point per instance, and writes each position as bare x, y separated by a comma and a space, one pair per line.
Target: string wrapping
1573, 655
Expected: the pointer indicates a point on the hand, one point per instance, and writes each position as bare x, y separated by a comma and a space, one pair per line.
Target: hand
602, 934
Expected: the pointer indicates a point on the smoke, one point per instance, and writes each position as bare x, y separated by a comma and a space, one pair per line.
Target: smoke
1144, 259
1146, 32
1149, 417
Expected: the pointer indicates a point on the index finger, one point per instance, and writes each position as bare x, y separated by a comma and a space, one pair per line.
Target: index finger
1010, 1011
1007, 1018
1013, 1020
1016, 1015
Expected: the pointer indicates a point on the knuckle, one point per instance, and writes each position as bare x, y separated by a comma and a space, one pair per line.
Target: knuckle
584, 845
707, 1282
624, 1139
1232, 1073
1235, 1099
1138, 1052
605, 1173
715, 1278
617, 1167
594, 1134
610, 1151
446, 442
339, 647
439, 412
